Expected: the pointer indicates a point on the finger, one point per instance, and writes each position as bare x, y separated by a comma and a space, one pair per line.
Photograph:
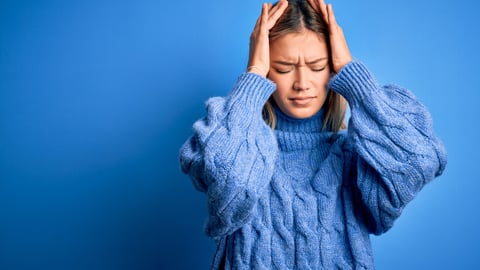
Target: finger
316, 6
313, 4
257, 23
278, 8
277, 13
264, 18
272, 8
323, 9
259, 19
331, 16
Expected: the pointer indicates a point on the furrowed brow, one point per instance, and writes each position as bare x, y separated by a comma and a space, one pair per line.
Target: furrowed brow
287, 63
316, 61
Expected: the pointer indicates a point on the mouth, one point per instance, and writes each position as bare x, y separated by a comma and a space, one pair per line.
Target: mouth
302, 101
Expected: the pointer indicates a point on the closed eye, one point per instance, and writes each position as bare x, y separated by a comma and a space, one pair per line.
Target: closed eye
282, 71
318, 69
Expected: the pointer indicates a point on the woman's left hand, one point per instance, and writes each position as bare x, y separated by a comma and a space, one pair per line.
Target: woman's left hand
340, 52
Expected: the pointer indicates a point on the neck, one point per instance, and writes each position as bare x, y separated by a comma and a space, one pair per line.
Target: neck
287, 123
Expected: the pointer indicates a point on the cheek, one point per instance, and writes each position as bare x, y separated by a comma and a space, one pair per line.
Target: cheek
279, 94
322, 82
324, 78
282, 83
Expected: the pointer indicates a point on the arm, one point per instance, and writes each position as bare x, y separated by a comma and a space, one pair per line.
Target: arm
394, 151
231, 154
391, 149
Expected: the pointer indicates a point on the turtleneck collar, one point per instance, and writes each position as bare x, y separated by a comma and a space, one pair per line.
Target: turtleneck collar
300, 134
289, 124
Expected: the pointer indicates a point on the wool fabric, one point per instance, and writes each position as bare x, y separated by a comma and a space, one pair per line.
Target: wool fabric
299, 197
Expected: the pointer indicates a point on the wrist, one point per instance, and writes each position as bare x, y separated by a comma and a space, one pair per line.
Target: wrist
340, 63
257, 70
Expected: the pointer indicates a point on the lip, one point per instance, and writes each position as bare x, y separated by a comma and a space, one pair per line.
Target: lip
302, 101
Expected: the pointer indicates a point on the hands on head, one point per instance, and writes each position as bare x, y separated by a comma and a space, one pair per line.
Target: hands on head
259, 58
340, 52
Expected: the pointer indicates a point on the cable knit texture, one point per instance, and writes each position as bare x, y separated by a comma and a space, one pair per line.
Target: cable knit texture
298, 197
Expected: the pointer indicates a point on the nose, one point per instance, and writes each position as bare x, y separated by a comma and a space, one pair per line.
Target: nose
301, 80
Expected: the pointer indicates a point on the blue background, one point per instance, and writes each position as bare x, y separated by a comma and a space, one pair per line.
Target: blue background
96, 98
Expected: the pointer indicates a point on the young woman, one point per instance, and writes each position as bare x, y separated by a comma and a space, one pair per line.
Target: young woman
288, 185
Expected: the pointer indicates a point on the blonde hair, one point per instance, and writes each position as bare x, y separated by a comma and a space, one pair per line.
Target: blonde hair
299, 16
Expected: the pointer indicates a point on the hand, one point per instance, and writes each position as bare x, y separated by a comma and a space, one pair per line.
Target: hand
340, 52
259, 59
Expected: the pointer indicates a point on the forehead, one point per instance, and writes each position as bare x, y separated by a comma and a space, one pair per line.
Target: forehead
306, 44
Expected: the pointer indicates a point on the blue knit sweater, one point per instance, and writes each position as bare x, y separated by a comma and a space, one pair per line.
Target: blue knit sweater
298, 197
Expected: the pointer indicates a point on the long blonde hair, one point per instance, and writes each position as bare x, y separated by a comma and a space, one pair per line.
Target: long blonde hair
298, 16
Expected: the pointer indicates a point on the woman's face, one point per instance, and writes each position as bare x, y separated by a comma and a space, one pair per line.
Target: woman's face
299, 66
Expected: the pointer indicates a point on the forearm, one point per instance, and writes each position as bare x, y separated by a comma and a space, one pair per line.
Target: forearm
231, 154
388, 122
392, 134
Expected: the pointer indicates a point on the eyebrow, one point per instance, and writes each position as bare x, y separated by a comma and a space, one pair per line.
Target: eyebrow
287, 63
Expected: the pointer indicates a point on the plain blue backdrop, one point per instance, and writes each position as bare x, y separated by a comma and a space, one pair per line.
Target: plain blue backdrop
96, 98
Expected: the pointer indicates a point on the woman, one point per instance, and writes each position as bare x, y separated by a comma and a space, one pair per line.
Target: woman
288, 186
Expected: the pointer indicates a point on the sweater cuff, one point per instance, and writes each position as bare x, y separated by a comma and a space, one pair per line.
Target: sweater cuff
252, 90
354, 82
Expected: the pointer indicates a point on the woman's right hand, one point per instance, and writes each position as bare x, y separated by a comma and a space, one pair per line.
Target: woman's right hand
259, 58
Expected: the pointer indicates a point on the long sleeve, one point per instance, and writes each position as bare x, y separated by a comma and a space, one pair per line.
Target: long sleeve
231, 154
392, 147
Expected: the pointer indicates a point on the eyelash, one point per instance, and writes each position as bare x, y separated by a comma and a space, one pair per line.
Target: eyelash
282, 71
318, 69
287, 71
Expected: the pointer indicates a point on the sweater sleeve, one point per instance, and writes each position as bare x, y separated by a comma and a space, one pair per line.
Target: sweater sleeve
394, 151
231, 154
